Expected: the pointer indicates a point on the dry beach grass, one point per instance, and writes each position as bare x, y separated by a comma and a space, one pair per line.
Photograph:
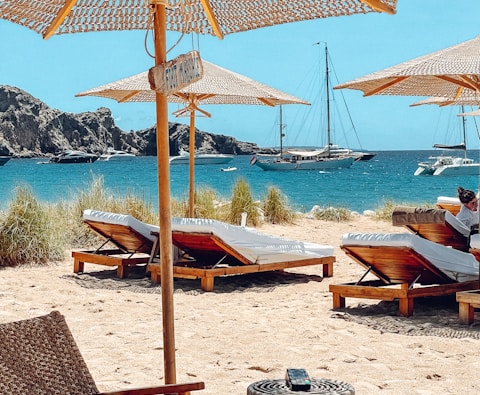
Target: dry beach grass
254, 327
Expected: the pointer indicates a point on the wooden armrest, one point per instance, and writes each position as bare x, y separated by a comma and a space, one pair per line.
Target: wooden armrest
180, 389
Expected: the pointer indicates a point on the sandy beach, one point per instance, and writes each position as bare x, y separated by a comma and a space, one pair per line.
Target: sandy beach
254, 327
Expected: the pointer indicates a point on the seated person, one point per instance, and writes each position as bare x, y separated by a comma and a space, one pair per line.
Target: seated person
468, 213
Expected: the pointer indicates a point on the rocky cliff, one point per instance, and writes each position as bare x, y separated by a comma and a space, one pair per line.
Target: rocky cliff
29, 128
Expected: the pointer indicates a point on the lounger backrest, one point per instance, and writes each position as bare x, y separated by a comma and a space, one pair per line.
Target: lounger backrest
439, 226
125, 231
451, 204
39, 355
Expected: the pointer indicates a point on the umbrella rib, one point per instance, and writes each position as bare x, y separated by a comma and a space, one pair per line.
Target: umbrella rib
266, 101
129, 96
464, 81
378, 5
50, 31
472, 81
385, 86
211, 17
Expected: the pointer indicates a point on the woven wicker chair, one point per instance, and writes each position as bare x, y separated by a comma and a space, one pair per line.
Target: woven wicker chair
39, 356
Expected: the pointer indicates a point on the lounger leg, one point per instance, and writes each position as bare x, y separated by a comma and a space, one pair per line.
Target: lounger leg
122, 271
328, 270
207, 283
466, 313
338, 301
406, 307
78, 266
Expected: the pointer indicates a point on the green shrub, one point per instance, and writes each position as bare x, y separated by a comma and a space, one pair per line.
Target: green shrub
275, 207
179, 207
336, 214
30, 232
242, 202
205, 204
97, 197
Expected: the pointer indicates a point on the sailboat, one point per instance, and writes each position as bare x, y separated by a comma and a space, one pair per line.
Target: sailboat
449, 165
328, 157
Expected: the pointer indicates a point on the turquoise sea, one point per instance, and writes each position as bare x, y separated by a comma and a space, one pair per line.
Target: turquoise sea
364, 186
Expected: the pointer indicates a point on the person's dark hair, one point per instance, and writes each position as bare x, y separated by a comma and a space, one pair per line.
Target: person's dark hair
465, 195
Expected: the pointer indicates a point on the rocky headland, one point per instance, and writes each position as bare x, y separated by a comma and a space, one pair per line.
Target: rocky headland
30, 128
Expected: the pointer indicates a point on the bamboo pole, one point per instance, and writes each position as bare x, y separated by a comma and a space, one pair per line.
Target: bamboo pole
191, 185
166, 268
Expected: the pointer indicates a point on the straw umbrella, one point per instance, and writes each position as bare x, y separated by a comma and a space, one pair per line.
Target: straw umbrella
448, 73
217, 17
217, 86
462, 100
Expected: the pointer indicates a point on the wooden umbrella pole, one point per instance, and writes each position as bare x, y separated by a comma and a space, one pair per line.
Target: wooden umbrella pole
166, 261
191, 185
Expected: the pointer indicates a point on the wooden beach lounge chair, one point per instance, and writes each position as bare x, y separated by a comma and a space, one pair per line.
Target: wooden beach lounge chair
40, 356
451, 204
220, 249
437, 225
133, 239
214, 248
407, 267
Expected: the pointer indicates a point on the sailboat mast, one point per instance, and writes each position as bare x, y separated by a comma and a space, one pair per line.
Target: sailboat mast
281, 131
464, 129
327, 85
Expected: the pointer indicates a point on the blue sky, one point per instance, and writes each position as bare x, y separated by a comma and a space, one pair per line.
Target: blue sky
284, 57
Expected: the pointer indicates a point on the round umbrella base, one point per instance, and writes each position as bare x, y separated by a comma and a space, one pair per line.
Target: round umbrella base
318, 387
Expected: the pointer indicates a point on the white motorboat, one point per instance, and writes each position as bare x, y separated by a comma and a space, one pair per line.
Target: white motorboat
328, 157
229, 168
201, 159
450, 165
116, 155
72, 156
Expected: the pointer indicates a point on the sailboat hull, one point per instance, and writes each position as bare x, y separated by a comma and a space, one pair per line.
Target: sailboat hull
458, 170
448, 166
313, 164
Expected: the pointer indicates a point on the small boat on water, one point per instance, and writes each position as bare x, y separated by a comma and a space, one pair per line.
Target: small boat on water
228, 168
116, 155
72, 156
201, 159
450, 165
4, 159
444, 165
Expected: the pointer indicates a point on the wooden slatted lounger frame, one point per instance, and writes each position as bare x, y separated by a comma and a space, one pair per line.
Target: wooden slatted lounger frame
444, 234
453, 208
216, 258
133, 249
401, 271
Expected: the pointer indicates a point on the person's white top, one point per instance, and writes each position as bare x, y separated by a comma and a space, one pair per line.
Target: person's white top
468, 217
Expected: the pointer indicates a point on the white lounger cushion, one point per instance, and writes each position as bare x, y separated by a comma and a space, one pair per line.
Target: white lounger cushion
459, 266
457, 224
448, 200
256, 247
